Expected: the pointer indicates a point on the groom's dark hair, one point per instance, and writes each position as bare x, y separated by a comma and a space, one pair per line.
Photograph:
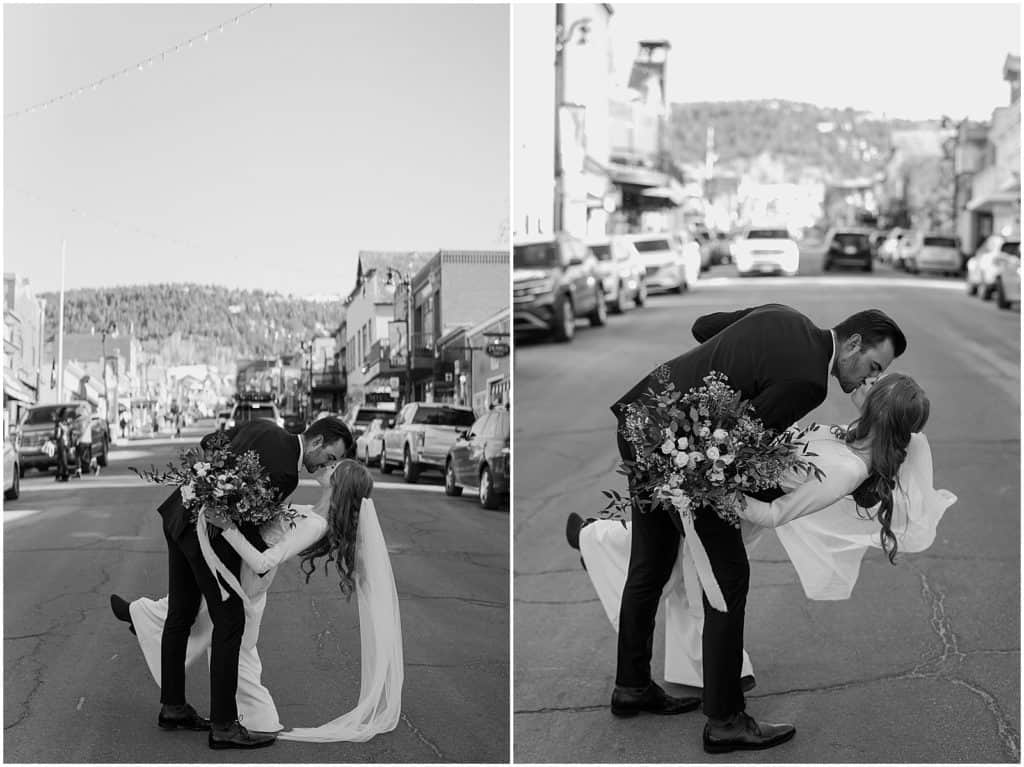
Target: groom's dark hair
873, 326
332, 429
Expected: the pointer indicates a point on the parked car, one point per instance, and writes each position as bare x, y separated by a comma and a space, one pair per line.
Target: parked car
662, 260
988, 261
422, 435
555, 281
848, 247
1008, 284
935, 253
704, 244
36, 430
622, 276
479, 459
876, 238
254, 410
223, 417
766, 250
12, 468
370, 442
359, 417
721, 252
888, 251
293, 423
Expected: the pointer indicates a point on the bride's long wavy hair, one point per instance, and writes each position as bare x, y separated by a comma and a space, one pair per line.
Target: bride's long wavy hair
895, 407
350, 484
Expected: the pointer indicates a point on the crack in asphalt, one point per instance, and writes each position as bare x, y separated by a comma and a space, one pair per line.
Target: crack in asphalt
477, 664
561, 709
37, 682
423, 738
951, 660
467, 600
557, 571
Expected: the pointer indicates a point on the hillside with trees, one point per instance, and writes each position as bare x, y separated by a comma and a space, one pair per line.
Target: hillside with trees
193, 324
783, 141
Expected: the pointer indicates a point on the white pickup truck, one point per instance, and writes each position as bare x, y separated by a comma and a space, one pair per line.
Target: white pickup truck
422, 435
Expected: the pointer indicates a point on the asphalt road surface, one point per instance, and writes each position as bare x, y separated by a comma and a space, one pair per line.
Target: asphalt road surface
922, 664
76, 688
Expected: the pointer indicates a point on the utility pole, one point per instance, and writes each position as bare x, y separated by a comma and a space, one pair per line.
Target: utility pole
60, 325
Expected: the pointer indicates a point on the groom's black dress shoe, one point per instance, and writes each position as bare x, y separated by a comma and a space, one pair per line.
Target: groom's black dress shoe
628, 701
236, 736
181, 718
573, 525
745, 734
121, 611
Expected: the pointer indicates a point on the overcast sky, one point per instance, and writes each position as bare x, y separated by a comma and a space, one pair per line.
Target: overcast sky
918, 60
265, 156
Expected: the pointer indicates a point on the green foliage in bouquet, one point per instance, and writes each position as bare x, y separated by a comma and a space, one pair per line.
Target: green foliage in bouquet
703, 449
215, 477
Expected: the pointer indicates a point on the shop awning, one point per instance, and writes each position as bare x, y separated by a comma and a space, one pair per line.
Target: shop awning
636, 176
15, 389
1010, 196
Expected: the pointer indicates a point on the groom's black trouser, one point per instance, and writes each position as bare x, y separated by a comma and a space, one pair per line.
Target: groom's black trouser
190, 581
653, 550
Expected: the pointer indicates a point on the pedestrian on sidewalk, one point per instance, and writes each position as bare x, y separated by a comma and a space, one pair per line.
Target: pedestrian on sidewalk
62, 437
84, 445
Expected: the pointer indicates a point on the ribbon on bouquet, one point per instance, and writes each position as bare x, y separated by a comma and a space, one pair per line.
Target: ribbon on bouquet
701, 565
217, 567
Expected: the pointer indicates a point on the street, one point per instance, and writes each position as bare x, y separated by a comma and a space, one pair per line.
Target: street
920, 665
76, 687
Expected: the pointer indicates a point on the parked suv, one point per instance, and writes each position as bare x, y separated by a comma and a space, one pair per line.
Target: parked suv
255, 410
37, 428
423, 434
623, 277
848, 247
359, 418
480, 459
555, 281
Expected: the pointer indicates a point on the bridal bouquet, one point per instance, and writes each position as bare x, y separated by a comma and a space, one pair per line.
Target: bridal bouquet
221, 481
702, 449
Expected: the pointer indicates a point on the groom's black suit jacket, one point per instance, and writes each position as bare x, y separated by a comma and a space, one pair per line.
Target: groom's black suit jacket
279, 454
775, 356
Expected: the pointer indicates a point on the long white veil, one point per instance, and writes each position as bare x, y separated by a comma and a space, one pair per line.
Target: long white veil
380, 634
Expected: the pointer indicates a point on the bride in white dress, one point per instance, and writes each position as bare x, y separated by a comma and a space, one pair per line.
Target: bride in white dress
343, 524
877, 493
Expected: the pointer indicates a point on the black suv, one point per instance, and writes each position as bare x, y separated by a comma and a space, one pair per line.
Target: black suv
555, 281
848, 247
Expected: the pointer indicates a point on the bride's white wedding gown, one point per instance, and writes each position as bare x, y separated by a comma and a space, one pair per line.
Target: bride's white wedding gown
379, 706
820, 527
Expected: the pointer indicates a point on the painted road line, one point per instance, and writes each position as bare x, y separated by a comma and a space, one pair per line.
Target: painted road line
837, 282
123, 483
10, 516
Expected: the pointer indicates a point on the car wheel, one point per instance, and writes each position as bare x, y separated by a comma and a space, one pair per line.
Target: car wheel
488, 498
410, 469
21, 471
1001, 301
15, 491
101, 459
678, 289
618, 306
641, 293
826, 266
986, 292
385, 467
867, 267
565, 320
450, 488
599, 316
972, 289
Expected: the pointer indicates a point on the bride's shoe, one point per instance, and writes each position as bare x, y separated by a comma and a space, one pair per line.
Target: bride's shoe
121, 611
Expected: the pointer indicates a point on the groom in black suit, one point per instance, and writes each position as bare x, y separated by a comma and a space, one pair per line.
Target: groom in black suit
781, 362
326, 441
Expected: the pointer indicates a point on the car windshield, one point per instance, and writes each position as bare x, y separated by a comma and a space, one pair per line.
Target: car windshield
1013, 248
255, 413
541, 254
603, 252
46, 414
443, 416
852, 238
940, 242
767, 234
365, 414
649, 246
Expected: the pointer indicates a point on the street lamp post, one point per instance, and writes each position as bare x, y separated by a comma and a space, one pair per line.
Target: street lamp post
562, 36
397, 278
110, 328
